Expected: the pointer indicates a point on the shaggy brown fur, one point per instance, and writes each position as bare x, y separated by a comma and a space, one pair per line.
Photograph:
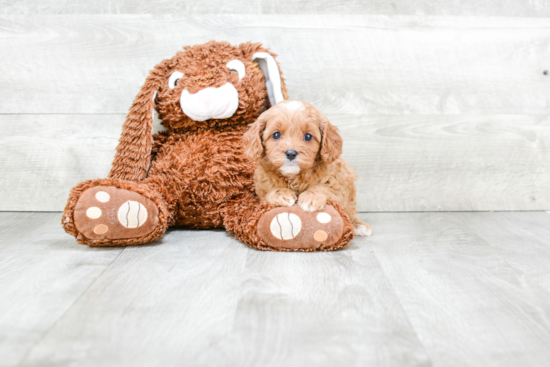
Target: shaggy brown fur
195, 172
315, 175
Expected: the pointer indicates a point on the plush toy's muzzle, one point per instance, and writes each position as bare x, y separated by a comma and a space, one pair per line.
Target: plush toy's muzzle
210, 103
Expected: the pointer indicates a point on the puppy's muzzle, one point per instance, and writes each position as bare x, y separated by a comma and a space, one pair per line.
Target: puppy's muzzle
291, 154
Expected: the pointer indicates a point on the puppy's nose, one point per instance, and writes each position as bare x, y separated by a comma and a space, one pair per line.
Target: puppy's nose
291, 154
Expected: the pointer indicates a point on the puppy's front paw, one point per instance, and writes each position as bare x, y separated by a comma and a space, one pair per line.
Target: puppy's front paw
311, 201
281, 197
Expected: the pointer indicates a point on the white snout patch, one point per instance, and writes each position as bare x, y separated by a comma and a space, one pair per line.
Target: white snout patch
132, 214
290, 168
210, 103
286, 226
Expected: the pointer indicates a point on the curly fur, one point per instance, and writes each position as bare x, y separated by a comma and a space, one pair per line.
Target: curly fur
316, 175
196, 172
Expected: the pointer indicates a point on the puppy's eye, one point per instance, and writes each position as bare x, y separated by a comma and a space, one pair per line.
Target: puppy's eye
237, 66
174, 79
276, 135
308, 137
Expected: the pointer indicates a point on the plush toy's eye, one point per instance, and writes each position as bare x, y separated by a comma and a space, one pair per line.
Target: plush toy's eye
308, 137
238, 66
174, 78
276, 135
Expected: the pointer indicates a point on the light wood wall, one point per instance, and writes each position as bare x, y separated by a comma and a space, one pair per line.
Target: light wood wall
443, 106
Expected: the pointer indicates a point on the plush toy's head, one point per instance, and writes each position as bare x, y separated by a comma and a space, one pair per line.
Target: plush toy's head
214, 85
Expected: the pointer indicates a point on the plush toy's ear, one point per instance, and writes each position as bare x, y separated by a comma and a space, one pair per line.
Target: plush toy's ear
331, 141
275, 84
133, 153
252, 139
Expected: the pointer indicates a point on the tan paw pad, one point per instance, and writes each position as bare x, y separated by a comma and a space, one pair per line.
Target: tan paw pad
320, 235
101, 229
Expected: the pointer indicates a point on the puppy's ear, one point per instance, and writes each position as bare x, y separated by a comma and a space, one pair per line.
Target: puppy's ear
252, 139
331, 141
133, 153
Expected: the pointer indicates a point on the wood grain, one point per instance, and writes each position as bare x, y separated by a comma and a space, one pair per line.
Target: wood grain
449, 163
43, 272
352, 64
512, 8
44, 156
202, 298
472, 284
404, 163
428, 289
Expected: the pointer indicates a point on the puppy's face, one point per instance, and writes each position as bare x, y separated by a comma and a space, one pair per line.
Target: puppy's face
292, 137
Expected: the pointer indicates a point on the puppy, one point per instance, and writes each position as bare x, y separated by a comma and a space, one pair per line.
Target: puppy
297, 151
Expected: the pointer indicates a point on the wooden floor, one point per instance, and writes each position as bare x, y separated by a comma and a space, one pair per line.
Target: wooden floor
428, 289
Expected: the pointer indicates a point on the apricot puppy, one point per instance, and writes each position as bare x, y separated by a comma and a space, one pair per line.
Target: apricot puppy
297, 151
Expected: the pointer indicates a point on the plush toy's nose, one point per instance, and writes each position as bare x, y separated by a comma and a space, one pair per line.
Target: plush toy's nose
291, 154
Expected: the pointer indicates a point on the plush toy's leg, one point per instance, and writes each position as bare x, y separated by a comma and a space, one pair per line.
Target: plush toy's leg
113, 212
266, 227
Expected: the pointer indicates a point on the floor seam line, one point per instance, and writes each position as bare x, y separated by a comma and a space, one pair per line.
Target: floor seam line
67, 310
402, 307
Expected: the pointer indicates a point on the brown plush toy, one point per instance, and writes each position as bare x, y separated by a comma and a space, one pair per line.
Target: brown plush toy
195, 174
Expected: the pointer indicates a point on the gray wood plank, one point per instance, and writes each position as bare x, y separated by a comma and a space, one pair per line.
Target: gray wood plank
353, 64
441, 289
472, 284
513, 8
202, 298
44, 156
404, 163
43, 272
449, 163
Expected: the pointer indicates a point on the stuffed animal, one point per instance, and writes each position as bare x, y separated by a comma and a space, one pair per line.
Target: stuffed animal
195, 174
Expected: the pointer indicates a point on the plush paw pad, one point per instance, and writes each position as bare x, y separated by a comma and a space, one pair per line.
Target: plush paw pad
132, 214
105, 212
294, 228
286, 226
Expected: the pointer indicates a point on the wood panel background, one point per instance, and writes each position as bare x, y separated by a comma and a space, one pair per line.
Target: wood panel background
442, 107
515, 8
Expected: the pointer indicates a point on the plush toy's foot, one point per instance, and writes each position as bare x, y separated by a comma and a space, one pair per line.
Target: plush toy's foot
105, 212
292, 229
107, 215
